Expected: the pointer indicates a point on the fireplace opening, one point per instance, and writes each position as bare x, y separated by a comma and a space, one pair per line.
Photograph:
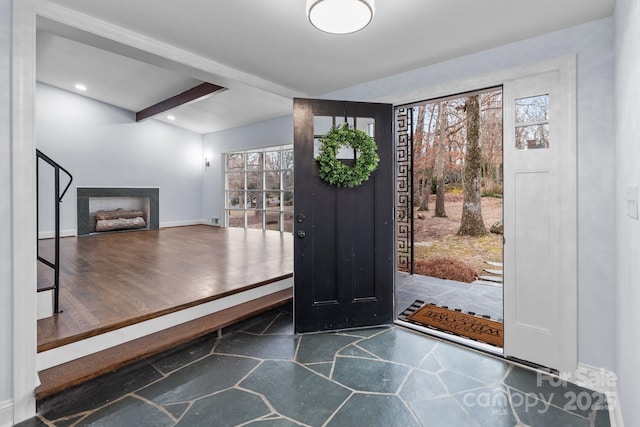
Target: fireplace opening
107, 209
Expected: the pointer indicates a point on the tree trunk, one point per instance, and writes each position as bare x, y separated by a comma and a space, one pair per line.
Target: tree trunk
472, 223
439, 160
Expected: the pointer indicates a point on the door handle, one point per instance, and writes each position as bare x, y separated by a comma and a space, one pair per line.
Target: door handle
301, 234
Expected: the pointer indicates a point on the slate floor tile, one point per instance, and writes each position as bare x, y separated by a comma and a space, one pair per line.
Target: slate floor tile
479, 366
369, 375
227, 408
128, 411
321, 347
258, 346
399, 345
296, 392
455, 382
539, 413
562, 394
489, 407
278, 422
204, 377
99, 392
422, 386
373, 410
442, 412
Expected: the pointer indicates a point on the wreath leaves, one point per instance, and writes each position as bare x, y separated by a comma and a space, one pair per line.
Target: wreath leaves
337, 173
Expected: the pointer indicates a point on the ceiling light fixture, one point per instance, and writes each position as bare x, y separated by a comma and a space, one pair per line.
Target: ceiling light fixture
80, 87
170, 117
340, 16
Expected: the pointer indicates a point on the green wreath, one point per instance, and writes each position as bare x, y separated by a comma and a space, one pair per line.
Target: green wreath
337, 173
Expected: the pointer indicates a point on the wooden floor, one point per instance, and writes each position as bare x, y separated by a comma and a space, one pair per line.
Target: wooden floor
115, 280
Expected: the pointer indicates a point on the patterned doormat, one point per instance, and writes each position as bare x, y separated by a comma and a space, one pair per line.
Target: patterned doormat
469, 325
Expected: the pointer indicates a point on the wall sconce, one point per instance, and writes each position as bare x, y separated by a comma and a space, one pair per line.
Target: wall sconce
206, 164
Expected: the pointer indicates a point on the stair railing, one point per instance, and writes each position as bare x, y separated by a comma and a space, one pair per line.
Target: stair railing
55, 265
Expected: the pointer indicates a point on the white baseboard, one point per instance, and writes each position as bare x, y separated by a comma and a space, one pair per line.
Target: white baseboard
6, 413
51, 234
76, 350
605, 382
166, 224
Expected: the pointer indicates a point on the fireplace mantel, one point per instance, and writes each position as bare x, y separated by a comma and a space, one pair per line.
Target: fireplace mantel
83, 195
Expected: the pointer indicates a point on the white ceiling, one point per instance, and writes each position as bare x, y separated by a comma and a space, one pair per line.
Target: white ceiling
266, 52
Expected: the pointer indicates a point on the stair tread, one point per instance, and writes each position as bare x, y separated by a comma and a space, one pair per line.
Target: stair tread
67, 375
491, 278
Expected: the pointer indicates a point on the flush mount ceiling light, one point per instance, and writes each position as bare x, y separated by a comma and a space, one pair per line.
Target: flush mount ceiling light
340, 16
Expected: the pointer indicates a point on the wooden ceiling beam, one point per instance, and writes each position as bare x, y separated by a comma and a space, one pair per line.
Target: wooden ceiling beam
185, 97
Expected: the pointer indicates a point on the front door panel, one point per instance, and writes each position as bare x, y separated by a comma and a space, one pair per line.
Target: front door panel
344, 267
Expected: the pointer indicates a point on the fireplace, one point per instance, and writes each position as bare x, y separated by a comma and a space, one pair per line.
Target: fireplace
93, 199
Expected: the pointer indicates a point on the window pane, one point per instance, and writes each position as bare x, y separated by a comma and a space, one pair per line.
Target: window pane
235, 161
287, 180
366, 125
254, 199
254, 219
287, 159
254, 161
287, 196
272, 160
288, 222
254, 180
532, 109
235, 199
273, 181
322, 124
273, 200
272, 221
235, 181
236, 218
532, 137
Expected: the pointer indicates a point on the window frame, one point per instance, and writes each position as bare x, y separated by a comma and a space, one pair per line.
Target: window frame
264, 173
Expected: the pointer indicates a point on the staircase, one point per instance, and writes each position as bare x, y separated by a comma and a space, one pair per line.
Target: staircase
493, 276
49, 281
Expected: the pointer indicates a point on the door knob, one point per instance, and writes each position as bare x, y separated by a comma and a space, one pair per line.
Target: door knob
301, 234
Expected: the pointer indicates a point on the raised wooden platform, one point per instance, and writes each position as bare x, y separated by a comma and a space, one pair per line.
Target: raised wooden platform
111, 281
65, 376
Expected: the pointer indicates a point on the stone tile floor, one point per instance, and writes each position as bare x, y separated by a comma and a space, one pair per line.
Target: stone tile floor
261, 374
468, 297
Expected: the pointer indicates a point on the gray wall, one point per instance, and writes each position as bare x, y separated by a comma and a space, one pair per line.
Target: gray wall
628, 174
6, 283
267, 133
102, 145
593, 43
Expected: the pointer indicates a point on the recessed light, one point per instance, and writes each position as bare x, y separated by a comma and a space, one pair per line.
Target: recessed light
80, 87
170, 117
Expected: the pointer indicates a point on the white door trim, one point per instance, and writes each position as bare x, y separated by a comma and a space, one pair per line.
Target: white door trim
23, 202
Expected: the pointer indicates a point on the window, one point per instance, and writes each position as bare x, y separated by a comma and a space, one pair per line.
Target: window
259, 189
532, 122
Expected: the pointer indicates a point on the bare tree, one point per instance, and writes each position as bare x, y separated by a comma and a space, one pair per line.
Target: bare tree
439, 161
472, 223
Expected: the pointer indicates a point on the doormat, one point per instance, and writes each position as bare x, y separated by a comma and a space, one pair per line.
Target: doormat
467, 325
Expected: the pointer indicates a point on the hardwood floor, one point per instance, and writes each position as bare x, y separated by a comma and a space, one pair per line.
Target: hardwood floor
114, 280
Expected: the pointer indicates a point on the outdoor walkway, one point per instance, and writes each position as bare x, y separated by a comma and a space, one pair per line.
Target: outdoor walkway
478, 298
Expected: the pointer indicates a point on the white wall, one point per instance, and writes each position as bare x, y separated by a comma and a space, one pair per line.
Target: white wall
593, 43
627, 93
102, 145
6, 282
267, 133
